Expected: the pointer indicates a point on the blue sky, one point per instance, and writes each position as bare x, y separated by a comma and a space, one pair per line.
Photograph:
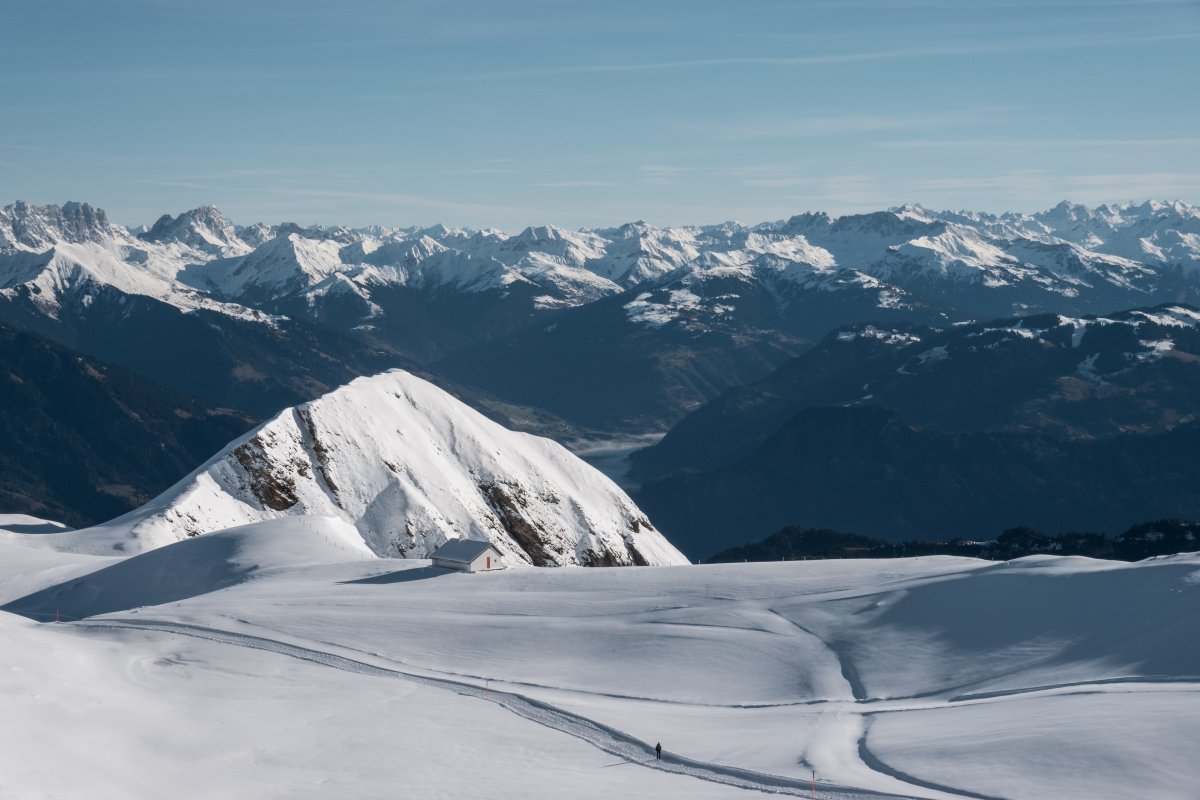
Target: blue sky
589, 114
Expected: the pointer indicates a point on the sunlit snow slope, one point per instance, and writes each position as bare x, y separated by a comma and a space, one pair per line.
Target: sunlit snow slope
932, 678
409, 466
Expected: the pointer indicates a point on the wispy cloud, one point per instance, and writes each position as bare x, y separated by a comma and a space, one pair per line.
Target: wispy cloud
973, 48
580, 184
95, 155
660, 174
1133, 185
1018, 143
174, 184
836, 125
478, 171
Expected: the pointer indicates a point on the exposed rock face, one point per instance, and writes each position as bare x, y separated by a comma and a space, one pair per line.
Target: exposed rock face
35, 228
204, 228
410, 467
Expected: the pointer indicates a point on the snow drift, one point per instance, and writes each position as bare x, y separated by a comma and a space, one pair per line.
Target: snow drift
197, 566
410, 467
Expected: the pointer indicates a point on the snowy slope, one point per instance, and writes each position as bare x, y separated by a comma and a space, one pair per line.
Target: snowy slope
195, 566
409, 466
281, 266
931, 678
143, 715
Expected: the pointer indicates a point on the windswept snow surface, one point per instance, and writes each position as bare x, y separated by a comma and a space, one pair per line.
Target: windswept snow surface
409, 466
23, 523
930, 678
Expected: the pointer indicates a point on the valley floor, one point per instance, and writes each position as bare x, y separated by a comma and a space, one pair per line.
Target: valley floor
270, 672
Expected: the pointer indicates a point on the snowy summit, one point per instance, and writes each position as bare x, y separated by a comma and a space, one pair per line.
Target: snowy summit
410, 467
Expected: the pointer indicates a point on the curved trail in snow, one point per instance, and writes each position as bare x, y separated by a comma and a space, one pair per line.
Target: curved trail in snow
609, 740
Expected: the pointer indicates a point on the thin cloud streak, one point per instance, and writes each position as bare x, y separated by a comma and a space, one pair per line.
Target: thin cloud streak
583, 184
831, 58
849, 123
991, 144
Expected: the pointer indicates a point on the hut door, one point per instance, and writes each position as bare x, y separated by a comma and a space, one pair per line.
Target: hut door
489, 562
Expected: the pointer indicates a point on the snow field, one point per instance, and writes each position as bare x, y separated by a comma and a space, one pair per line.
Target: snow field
932, 677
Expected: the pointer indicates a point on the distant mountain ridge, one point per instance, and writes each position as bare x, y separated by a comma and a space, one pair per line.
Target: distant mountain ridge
912, 432
677, 314
865, 469
1159, 538
84, 441
1089, 377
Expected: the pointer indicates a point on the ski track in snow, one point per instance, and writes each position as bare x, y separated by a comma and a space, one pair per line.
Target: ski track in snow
609, 740
849, 671
875, 763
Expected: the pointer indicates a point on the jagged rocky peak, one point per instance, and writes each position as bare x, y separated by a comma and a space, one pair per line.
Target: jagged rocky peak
629, 230
886, 223
204, 228
542, 233
441, 232
807, 223
410, 467
1066, 210
914, 211
257, 234
24, 226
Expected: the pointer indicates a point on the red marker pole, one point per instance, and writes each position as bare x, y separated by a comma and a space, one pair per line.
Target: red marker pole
56, 615
814, 785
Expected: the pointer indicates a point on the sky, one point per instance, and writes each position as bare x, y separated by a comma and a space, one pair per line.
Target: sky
588, 114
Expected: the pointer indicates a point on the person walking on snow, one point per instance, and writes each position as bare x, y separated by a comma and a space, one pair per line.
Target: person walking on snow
658, 751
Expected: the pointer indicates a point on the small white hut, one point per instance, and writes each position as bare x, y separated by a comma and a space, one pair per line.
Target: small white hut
467, 555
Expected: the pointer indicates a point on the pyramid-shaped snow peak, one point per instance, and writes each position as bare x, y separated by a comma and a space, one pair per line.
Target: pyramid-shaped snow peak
410, 467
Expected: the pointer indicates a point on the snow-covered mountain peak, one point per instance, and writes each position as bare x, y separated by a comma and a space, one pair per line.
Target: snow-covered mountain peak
794, 248
807, 223
287, 264
885, 224
36, 228
443, 233
914, 211
257, 234
205, 229
542, 233
574, 248
424, 247
410, 467
629, 230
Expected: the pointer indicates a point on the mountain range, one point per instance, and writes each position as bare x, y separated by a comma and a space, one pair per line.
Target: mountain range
905, 432
721, 331
616, 329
